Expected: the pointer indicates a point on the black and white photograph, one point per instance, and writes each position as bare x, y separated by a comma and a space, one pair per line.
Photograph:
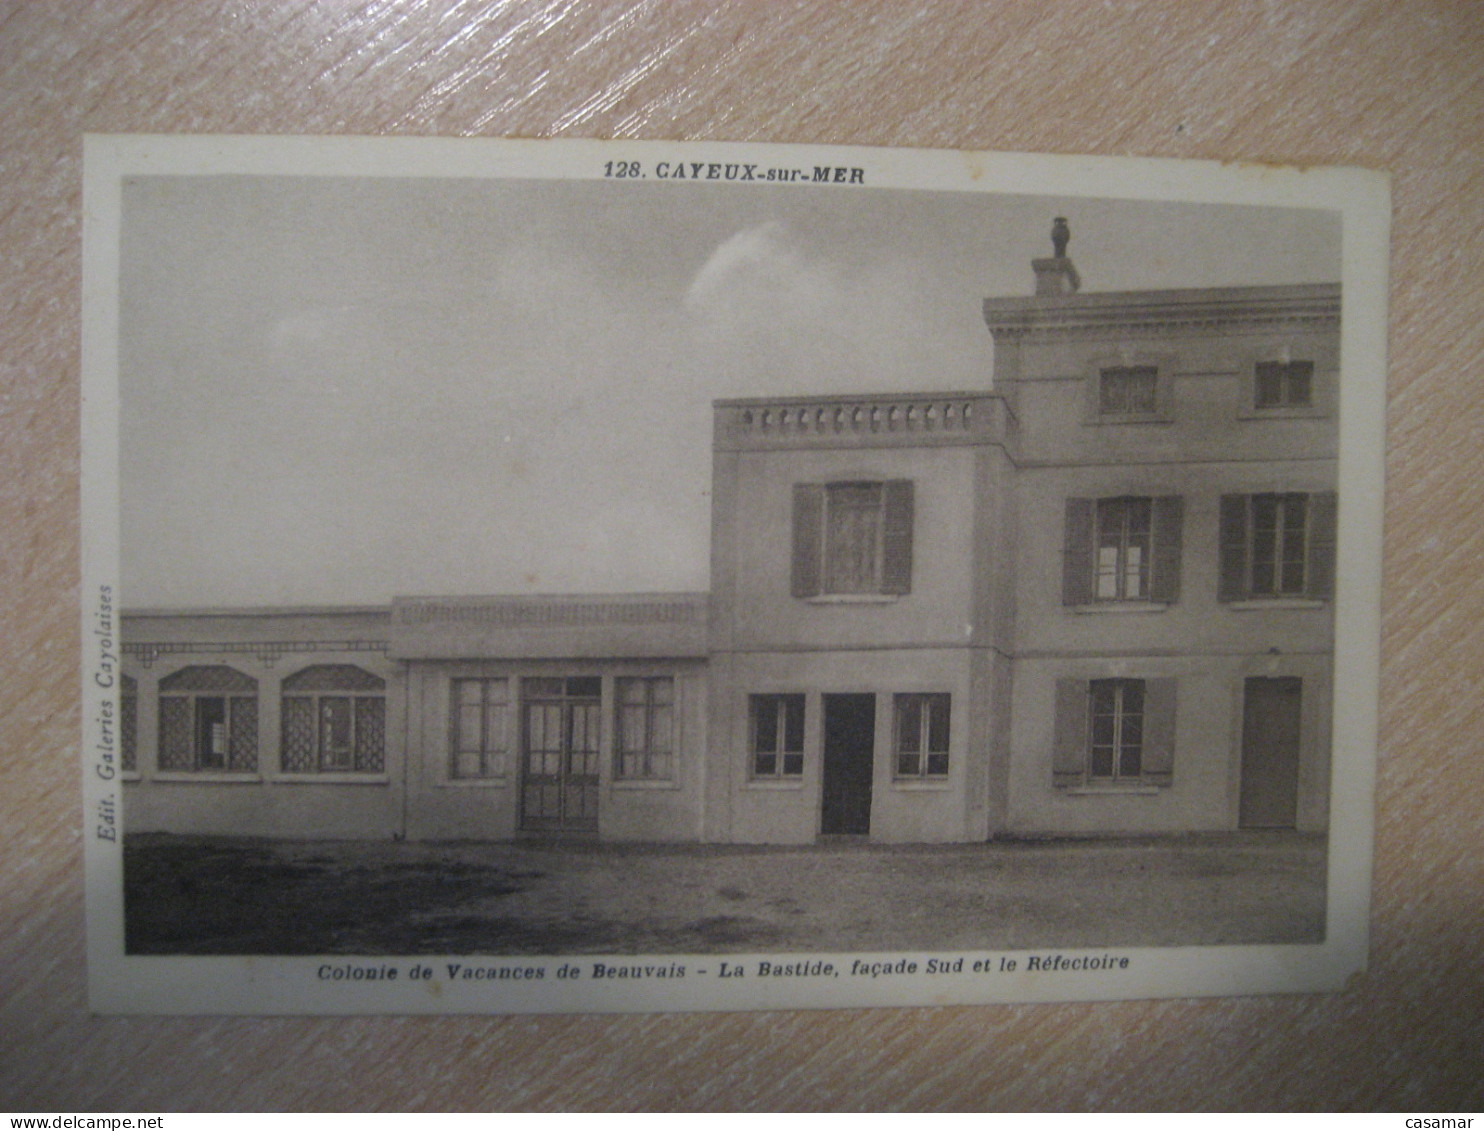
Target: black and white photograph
530, 576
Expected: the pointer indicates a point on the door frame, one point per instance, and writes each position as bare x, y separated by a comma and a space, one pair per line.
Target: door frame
863, 779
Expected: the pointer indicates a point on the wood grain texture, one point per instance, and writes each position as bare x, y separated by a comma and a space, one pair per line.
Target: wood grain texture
1397, 86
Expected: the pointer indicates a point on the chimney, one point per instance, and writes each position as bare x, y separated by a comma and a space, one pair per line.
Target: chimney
1057, 275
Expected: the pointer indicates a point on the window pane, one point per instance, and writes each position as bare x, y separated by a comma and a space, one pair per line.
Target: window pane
586, 687
662, 730
765, 765
1133, 579
909, 724
907, 765
937, 763
765, 723
793, 765
494, 727
297, 750
176, 748
1269, 384
1101, 763
852, 537
1107, 579
632, 734
938, 724
211, 732
335, 732
793, 722
467, 764
543, 688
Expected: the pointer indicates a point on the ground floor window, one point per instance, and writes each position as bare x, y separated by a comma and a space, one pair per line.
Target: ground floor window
922, 735
209, 720
777, 723
1114, 732
334, 720
1117, 717
481, 727
645, 740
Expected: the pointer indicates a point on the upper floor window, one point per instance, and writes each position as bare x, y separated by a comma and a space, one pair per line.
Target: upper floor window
1279, 545
852, 538
1112, 732
334, 719
922, 735
777, 723
645, 738
1128, 390
209, 720
1284, 384
1122, 549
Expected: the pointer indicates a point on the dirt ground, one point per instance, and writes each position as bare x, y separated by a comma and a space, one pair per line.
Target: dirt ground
217, 895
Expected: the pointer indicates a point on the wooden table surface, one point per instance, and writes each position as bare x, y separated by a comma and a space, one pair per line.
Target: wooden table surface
1389, 85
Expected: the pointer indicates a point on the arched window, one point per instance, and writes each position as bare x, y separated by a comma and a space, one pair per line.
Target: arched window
209, 720
334, 720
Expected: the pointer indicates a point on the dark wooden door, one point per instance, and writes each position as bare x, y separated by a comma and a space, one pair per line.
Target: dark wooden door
559, 740
849, 758
1271, 710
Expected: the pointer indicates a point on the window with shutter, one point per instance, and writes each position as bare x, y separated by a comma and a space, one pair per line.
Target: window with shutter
1114, 732
1122, 549
852, 538
1277, 546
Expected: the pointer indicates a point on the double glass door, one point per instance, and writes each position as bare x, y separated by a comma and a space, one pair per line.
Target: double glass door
561, 719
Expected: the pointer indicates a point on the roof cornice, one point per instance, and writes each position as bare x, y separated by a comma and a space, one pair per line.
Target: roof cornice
1156, 311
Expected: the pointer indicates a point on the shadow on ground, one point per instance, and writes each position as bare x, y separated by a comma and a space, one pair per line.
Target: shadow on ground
219, 895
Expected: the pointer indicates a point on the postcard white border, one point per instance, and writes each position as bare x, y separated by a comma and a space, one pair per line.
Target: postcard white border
273, 985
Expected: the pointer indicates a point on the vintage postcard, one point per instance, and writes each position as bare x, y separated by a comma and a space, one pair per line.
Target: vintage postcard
615, 576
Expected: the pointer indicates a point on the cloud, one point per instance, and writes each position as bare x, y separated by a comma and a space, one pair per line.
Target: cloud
759, 275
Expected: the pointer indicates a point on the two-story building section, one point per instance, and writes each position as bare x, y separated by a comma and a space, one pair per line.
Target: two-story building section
1097, 599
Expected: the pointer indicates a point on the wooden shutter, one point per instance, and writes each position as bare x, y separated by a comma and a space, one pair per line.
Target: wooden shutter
1232, 585
1069, 744
808, 537
1077, 553
1321, 573
1158, 762
896, 549
1169, 520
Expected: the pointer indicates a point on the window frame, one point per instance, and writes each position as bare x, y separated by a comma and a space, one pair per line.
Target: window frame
239, 720
494, 764
1288, 370
1074, 733
362, 692
1083, 537
1239, 545
646, 755
1161, 369
932, 762
788, 761
819, 507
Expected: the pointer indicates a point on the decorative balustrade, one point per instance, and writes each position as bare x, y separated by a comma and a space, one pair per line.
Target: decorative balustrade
944, 417
873, 416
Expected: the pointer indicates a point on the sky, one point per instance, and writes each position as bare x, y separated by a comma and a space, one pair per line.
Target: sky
338, 390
